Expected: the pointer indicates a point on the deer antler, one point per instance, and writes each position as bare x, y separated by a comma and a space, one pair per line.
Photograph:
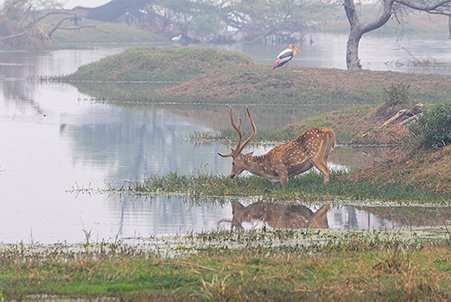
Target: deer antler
254, 131
237, 129
239, 147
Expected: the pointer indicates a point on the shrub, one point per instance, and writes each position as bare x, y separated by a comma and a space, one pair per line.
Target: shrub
396, 94
433, 129
395, 97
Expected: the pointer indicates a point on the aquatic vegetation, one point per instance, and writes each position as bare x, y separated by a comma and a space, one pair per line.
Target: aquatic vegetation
306, 187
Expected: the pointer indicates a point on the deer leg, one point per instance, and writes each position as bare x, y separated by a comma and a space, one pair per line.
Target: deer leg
322, 167
283, 176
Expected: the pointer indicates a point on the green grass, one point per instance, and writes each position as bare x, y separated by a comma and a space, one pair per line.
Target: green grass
174, 63
306, 187
359, 265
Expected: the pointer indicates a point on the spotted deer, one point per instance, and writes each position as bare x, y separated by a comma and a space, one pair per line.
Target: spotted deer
278, 216
310, 149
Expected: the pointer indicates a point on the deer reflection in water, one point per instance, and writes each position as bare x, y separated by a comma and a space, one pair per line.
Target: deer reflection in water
278, 216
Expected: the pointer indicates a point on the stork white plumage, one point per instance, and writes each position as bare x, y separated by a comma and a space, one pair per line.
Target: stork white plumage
286, 55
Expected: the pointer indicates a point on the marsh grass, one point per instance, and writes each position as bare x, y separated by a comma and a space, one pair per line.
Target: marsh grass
264, 266
307, 187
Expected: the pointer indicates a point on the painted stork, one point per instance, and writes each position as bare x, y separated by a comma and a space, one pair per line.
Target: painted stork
286, 55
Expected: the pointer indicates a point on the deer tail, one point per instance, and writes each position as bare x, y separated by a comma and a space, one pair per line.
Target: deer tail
332, 139
330, 144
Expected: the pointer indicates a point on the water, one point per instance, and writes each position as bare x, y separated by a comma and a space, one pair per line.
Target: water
376, 53
53, 140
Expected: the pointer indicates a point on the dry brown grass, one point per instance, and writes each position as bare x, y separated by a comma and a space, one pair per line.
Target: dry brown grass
313, 83
362, 126
431, 170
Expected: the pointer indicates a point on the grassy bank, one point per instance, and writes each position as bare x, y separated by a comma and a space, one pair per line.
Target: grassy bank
345, 266
307, 187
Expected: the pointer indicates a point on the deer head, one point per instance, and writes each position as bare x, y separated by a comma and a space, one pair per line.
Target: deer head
240, 161
310, 149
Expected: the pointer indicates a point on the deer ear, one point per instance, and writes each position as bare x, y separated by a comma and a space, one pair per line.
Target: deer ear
250, 153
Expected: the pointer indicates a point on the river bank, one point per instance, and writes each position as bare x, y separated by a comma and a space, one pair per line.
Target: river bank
234, 266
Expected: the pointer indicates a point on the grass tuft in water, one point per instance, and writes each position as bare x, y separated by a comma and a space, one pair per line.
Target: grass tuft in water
306, 187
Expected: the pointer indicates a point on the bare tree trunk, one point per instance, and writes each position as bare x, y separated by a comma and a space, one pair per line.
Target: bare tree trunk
449, 27
352, 51
357, 29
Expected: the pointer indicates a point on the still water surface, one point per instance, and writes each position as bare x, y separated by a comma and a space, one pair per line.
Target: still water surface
54, 140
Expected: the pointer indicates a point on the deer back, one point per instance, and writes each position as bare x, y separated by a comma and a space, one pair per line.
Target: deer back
317, 142
298, 154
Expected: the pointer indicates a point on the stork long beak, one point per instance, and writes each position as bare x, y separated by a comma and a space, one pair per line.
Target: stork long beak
297, 50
